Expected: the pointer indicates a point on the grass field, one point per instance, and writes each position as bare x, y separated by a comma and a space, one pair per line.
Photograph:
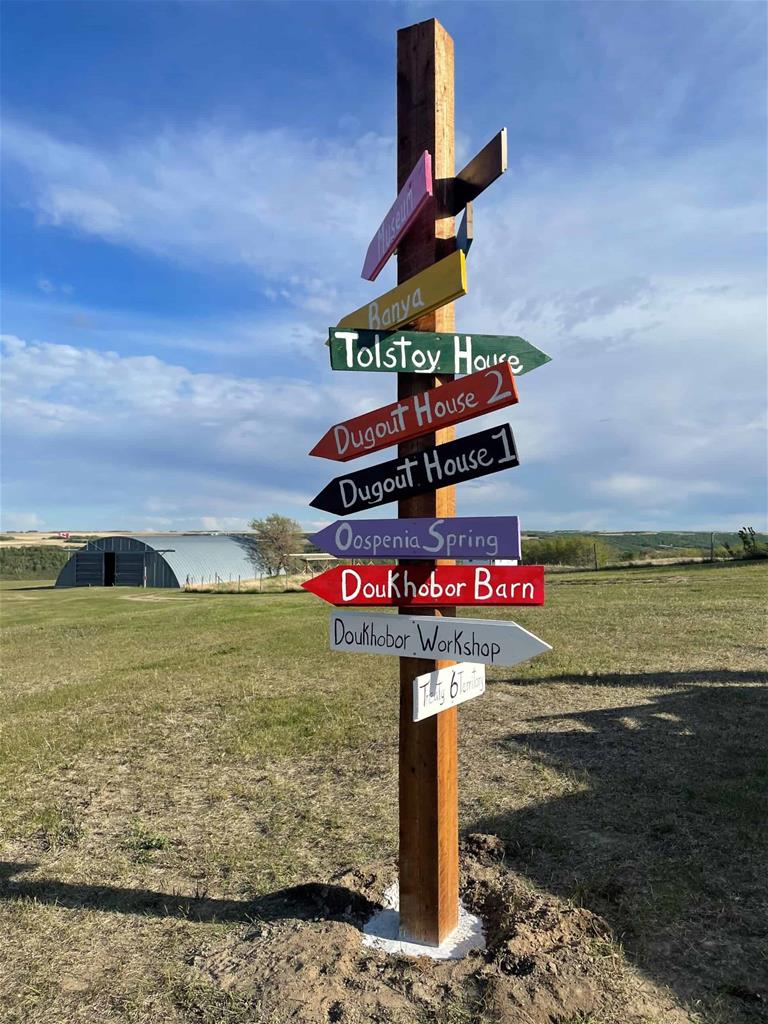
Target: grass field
165, 757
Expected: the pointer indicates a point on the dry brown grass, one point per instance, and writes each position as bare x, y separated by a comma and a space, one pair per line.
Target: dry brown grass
262, 585
164, 761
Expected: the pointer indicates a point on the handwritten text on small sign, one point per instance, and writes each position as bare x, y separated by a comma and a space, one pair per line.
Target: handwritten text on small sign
431, 410
466, 458
425, 292
411, 199
445, 688
445, 585
424, 352
476, 537
490, 641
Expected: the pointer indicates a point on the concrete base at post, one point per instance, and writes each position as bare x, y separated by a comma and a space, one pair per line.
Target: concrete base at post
382, 932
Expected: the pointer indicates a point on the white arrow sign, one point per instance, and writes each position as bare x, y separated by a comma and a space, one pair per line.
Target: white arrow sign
445, 688
489, 641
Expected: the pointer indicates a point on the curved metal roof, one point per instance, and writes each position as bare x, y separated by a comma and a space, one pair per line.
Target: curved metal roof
197, 559
194, 558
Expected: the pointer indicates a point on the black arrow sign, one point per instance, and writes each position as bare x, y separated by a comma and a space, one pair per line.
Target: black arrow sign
488, 451
481, 171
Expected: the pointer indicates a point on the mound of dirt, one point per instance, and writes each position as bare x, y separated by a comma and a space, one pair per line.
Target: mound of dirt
546, 961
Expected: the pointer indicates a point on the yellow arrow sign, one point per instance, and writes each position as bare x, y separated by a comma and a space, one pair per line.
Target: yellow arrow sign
432, 288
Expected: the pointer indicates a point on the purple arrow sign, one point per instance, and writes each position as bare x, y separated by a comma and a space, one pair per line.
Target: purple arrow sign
478, 537
403, 212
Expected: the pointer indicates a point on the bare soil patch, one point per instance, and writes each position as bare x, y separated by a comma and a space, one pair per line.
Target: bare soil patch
546, 960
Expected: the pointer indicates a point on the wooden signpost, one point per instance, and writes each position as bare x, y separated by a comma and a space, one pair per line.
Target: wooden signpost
490, 641
445, 585
466, 458
430, 353
481, 392
437, 691
421, 294
477, 537
428, 750
481, 171
431, 272
411, 200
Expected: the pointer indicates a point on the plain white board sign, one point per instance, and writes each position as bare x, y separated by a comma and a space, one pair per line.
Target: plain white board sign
436, 691
489, 641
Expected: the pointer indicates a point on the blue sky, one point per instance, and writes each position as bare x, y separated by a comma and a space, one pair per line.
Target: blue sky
189, 190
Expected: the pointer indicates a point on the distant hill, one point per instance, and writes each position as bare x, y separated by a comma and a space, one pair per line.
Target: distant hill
648, 543
636, 545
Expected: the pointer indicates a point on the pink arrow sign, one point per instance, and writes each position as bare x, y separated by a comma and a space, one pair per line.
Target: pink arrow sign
403, 212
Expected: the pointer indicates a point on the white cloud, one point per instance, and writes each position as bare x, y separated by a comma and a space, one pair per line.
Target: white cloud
272, 201
152, 444
565, 247
20, 521
223, 523
645, 281
48, 287
637, 487
69, 386
163, 443
73, 206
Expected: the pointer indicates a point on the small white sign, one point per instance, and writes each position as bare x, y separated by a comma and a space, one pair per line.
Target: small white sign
445, 688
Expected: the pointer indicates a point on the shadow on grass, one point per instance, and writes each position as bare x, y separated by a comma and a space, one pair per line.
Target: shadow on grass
646, 680
42, 586
663, 831
300, 902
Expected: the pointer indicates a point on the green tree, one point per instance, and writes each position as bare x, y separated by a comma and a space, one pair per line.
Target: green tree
567, 551
277, 538
753, 547
32, 562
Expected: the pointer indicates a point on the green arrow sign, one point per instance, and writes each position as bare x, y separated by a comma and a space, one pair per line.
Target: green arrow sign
423, 352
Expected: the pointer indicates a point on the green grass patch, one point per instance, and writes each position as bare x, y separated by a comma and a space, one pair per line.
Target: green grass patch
32, 562
169, 743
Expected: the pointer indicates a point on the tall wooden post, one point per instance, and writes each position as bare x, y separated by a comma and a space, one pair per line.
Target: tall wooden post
429, 845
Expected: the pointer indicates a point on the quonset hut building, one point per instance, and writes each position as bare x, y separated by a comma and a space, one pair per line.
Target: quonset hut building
161, 560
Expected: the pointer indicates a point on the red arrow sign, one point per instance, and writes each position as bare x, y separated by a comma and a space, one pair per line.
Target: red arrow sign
439, 407
407, 586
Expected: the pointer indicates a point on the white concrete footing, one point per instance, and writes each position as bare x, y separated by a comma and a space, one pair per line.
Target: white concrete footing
382, 932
